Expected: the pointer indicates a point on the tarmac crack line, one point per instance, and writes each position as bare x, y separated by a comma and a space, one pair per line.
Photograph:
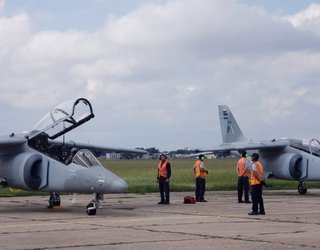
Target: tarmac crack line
205, 236
105, 244
49, 231
190, 236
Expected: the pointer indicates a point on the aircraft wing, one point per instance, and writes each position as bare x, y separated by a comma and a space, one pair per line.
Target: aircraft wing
250, 145
110, 149
196, 154
101, 149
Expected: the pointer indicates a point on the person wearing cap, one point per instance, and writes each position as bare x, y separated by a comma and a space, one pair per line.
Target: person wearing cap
243, 179
256, 177
200, 173
163, 176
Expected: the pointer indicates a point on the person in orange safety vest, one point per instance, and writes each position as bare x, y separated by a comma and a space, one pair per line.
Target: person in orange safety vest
164, 173
256, 178
200, 173
243, 179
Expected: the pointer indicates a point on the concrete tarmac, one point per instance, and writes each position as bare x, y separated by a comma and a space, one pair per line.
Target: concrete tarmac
136, 221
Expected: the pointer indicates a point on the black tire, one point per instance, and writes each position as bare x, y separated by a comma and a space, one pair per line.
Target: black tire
54, 200
91, 211
302, 189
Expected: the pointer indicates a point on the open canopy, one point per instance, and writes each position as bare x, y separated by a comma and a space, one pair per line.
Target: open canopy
85, 158
63, 118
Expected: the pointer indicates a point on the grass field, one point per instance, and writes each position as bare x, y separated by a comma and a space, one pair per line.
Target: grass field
141, 176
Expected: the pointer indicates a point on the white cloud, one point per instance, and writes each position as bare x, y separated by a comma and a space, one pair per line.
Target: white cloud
308, 19
157, 74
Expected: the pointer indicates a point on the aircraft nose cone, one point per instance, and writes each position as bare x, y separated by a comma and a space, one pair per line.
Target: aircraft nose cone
118, 185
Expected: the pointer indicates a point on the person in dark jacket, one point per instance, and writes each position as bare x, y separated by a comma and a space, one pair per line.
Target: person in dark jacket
163, 176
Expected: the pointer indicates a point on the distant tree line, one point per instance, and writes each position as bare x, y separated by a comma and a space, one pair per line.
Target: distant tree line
154, 150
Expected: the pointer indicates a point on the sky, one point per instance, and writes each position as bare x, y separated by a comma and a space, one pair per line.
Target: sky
155, 71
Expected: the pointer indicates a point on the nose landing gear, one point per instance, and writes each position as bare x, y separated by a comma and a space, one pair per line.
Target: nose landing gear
94, 204
91, 209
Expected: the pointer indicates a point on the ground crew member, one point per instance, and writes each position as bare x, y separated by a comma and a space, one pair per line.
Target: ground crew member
164, 173
243, 179
200, 172
256, 176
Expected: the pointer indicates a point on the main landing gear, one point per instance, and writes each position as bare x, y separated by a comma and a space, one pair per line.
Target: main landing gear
54, 200
302, 187
94, 204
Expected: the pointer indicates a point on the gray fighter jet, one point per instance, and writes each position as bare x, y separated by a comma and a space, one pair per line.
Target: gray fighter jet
288, 159
35, 161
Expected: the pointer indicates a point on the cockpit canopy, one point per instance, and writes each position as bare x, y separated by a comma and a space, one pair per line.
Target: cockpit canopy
310, 146
63, 118
85, 158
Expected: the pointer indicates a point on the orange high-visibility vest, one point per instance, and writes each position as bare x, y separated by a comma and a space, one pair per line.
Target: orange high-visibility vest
253, 179
198, 172
196, 168
162, 169
241, 167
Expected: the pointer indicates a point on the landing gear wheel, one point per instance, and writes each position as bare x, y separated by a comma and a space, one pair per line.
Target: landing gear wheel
302, 188
54, 200
94, 204
91, 209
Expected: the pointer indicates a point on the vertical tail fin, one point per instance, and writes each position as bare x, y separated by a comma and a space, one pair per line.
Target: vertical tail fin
230, 129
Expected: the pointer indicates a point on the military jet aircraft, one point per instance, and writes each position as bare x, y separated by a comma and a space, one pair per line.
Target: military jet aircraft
288, 159
35, 161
